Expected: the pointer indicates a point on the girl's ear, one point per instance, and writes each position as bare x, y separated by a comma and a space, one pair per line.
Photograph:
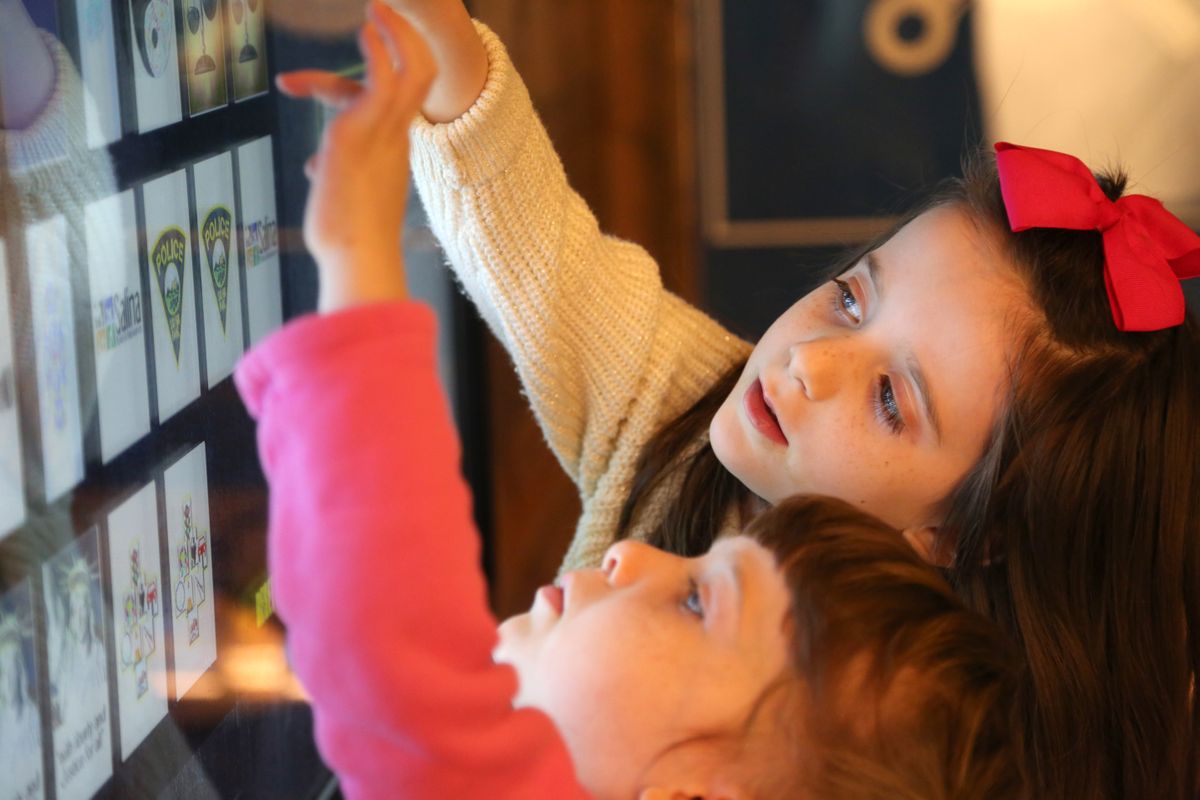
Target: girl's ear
929, 545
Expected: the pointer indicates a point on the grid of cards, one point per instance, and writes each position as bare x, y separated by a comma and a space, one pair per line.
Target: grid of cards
199, 278
141, 578
219, 56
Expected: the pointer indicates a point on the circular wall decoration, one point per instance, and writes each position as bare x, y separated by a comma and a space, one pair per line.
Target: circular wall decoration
911, 37
154, 36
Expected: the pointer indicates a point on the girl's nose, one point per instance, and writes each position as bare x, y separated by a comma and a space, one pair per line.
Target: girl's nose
628, 561
818, 367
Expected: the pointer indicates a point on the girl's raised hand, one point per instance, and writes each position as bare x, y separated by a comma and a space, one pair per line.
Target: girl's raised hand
462, 64
359, 191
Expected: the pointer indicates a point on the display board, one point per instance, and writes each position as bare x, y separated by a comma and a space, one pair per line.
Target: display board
139, 652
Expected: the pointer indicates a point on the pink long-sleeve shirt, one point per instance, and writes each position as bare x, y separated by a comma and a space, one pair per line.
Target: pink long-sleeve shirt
374, 563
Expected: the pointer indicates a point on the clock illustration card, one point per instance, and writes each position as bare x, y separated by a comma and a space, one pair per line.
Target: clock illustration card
155, 59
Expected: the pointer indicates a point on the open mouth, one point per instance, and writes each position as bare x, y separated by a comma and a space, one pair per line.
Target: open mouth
758, 410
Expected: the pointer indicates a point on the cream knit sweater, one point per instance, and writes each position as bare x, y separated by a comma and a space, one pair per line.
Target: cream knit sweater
604, 353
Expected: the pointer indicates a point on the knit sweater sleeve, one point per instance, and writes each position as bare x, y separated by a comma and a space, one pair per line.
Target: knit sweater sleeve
374, 564
604, 353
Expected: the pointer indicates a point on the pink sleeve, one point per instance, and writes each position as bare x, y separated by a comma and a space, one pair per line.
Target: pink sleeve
374, 563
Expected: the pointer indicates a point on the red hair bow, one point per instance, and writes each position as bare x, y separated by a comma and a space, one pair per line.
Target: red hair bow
1147, 249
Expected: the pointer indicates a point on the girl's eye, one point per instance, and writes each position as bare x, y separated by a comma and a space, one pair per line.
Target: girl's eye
886, 407
845, 302
692, 602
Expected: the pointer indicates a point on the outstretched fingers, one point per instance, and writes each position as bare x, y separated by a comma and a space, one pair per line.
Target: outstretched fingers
333, 90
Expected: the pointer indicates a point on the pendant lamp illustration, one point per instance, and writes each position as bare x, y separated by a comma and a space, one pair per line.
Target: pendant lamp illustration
241, 16
152, 27
195, 23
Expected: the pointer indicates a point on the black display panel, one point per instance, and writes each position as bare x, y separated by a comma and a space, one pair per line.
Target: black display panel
152, 194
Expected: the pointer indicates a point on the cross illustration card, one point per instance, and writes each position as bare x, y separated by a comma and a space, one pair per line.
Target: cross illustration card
12, 473
137, 615
155, 63
98, 68
189, 551
248, 47
204, 46
220, 266
54, 343
169, 261
260, 237
117, 311
78, 668
20, 723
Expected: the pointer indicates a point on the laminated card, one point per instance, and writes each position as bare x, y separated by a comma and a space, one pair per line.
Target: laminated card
260, 238
12, 474
155, 63
20, 724
189, 551
98, 67
220, 266
137, 612
118, 316
248, 47
172, 290
204, 46
54, 343
78, 669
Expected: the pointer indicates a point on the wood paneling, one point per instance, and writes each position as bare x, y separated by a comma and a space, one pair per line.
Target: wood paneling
612, 80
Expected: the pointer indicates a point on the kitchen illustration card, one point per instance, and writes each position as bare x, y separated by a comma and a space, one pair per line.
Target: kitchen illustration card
220, 266
78, 668
54, 344
189, 553
20, 723
155, 63
169, 257
12, 473
137, 615
248, 47
260, 238
117, 311
98, 67
204, 47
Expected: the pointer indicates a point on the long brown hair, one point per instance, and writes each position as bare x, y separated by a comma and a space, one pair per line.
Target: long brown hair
899, 691
1077, 529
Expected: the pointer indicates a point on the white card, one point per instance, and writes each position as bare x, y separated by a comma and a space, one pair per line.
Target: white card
117, 312
189, 551
248, 47
20, 723
169, 260
12, 473
260, 238
98, 67
78, 668
155, 63
220, 266
137, 611
204, 63
54, 341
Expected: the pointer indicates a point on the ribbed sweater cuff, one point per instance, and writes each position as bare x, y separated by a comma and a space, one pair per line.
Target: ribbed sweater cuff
488, 136
45, 140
